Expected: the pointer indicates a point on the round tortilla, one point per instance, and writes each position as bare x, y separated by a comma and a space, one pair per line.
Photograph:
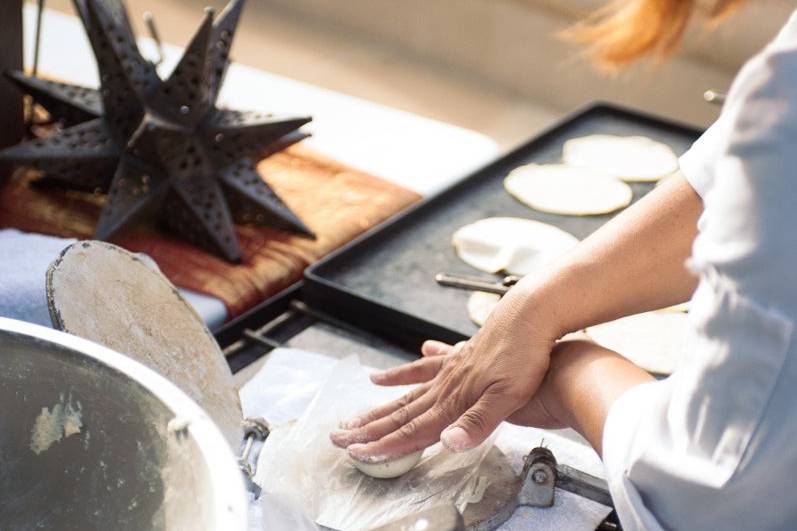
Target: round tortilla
655, 341
512, 245
630, 158
480, 305
563, 189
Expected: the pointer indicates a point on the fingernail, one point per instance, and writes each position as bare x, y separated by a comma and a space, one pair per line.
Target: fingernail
356, 422
377, 377
456, 439
433, 348
338, 438
358, 451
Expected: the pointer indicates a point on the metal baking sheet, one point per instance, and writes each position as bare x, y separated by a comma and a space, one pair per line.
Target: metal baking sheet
384, 281
284, 321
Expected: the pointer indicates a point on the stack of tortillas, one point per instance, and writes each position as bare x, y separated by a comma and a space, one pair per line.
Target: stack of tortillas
591, 180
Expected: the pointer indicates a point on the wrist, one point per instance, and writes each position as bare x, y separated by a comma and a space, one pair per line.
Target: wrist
556, 391
583, 381
540, 304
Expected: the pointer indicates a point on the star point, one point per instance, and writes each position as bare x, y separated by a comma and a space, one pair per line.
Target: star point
162, 147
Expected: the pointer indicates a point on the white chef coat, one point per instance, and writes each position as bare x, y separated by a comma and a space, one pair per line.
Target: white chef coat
714, 447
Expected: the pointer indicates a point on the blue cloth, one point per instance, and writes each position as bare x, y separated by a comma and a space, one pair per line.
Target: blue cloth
24, 259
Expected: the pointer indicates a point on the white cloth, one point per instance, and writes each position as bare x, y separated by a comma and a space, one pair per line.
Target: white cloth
712, 447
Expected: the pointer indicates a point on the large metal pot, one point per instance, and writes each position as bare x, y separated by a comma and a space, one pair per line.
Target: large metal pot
90, 439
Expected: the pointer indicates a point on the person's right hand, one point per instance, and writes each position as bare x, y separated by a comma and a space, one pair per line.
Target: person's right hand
465, 391
535, 412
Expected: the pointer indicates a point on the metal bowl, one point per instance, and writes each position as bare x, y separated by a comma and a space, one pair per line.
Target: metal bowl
90, 439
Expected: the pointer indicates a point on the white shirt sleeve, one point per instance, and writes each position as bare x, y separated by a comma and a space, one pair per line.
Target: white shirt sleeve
712, 447
697, 164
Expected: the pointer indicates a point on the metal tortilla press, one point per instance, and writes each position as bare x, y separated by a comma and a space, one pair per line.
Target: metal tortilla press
99, 440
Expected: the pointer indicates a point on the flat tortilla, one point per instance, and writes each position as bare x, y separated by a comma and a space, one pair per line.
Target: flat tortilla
655, 341
566, 190
512, 245
630, 158
480, 305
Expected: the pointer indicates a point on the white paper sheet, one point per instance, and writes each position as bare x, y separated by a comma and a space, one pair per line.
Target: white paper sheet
288, 381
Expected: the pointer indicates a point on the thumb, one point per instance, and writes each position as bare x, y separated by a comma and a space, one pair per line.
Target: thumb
477, 423
433, 347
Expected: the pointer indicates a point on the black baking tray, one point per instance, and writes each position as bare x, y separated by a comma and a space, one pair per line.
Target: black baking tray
285, 321
384, 280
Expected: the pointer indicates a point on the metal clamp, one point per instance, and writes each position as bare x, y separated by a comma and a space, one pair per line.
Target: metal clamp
255, 429
539, 478
476, 283
542, 475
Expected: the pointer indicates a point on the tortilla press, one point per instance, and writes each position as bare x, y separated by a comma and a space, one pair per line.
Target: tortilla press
105, 294
534, 487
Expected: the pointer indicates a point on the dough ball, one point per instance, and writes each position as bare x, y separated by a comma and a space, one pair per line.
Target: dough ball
480, 305
562, 189
389, 469
630, 158
655, 341
513, 245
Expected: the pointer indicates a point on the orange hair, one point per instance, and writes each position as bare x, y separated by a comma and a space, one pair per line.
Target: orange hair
625, 30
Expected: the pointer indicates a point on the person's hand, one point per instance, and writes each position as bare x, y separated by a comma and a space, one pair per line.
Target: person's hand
465, 391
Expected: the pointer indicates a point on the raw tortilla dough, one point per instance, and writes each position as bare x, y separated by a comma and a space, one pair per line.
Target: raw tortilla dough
563, 189
480, 305
389, 469
514, 245
630, 158
655, 341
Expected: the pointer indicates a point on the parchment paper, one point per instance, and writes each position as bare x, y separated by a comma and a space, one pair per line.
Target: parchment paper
300, 463
284, 388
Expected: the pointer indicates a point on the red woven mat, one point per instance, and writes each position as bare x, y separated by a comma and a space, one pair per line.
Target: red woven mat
335, 201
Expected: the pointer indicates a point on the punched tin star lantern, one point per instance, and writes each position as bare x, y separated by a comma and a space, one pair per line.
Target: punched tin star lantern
161, 147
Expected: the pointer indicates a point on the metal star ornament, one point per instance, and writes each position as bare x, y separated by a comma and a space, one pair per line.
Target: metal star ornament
161, 147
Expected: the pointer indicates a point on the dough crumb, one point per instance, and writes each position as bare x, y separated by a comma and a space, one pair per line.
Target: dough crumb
50, 427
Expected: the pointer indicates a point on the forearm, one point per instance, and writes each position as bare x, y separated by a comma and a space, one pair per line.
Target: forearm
634, 263
582, 383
